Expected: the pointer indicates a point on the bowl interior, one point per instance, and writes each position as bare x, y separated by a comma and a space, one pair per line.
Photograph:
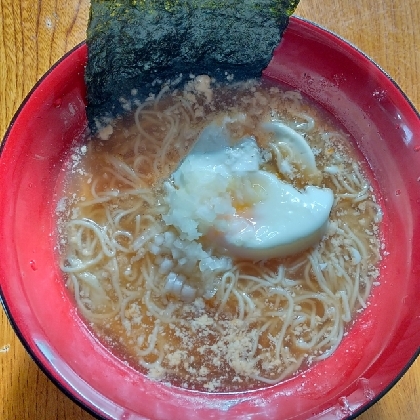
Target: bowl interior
379, 346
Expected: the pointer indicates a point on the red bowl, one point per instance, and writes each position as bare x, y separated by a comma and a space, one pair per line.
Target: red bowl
379, 347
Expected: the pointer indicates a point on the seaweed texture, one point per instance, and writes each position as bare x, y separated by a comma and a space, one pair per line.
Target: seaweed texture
132, 44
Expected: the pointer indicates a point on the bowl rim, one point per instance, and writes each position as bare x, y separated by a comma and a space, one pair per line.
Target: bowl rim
46, 368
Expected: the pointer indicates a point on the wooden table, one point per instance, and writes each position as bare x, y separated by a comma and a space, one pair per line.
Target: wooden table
35, 34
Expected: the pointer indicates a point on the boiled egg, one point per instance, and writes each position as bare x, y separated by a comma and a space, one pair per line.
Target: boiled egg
221, 195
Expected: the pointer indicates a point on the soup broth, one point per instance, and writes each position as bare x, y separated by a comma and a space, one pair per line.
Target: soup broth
249, 323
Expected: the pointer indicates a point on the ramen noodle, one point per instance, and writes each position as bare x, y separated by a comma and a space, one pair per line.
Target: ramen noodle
181, 309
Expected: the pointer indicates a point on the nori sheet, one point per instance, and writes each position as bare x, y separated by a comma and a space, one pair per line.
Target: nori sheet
131, 43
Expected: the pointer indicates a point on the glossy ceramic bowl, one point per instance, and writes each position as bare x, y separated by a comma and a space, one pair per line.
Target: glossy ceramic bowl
379, 347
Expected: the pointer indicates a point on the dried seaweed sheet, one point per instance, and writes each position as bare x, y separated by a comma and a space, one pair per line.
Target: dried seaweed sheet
135, 44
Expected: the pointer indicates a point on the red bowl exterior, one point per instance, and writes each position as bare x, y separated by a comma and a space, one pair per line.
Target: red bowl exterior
379, 347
